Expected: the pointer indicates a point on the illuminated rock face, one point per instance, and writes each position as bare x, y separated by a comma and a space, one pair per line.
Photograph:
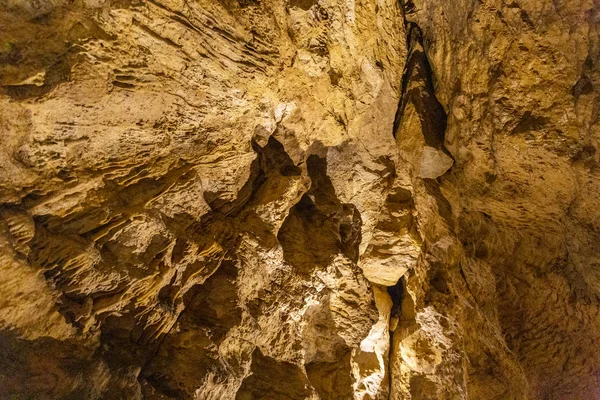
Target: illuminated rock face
299, 199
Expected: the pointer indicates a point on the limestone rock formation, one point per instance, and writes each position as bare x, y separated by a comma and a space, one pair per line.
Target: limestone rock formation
299, 199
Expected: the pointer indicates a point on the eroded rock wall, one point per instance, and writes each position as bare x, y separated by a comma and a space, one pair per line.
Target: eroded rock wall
186, 190
504, 302
299, 199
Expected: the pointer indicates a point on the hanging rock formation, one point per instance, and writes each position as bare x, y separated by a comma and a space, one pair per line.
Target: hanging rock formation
299, 199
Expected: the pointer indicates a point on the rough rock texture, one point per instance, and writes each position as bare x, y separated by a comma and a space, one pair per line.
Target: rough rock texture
299, 199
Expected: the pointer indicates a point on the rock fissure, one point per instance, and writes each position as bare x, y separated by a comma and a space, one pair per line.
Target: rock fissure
396, 293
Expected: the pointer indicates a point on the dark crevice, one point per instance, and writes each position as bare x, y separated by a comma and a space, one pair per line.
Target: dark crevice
418, 90
397, 293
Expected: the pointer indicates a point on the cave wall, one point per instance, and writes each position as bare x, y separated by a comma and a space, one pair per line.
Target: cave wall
247, 199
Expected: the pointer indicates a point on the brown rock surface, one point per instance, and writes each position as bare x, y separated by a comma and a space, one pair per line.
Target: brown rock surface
299, 199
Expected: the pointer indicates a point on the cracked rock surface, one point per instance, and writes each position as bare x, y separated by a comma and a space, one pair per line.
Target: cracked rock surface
299, 199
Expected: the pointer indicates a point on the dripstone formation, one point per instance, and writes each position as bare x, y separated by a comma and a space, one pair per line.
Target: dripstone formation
300, 199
